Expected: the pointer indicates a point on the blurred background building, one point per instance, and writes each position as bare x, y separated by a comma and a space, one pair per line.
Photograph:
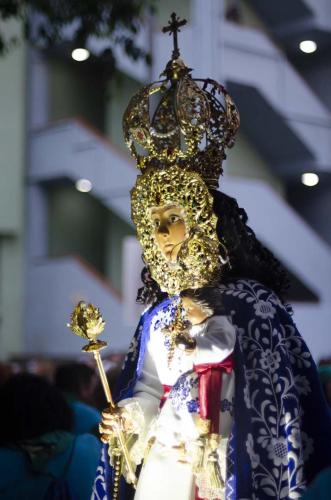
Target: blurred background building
65, 228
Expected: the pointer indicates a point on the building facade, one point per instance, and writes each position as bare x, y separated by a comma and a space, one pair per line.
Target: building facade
81, 244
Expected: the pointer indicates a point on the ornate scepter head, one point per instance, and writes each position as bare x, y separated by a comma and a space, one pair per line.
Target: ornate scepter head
87, 322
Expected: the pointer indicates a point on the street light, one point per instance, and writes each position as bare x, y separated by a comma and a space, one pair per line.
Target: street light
83, 185
308, 46
80, 54
309, 179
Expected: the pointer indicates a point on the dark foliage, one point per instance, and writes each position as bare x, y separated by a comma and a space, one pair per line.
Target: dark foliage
44, 22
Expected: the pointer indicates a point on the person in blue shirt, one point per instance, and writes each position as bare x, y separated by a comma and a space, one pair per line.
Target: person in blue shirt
38, 452
77, 381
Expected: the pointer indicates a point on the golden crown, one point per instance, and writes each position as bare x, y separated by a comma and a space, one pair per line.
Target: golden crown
181, 120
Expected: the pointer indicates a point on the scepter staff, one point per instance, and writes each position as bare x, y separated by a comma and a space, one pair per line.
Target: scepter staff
87, 322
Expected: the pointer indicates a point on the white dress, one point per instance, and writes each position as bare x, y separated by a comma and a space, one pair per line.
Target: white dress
166, 472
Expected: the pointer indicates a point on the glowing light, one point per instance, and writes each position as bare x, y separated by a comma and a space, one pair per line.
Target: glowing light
84, 185
80, 54
309, 179
308, 46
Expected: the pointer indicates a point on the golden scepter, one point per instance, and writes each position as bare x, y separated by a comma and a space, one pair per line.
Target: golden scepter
87, 322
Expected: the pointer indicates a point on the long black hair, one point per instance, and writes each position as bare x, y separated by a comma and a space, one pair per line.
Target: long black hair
248, 258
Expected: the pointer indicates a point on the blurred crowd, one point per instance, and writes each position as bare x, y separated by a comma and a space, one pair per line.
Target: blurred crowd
50, 412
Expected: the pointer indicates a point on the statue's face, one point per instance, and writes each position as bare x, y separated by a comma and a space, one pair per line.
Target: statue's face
169, 229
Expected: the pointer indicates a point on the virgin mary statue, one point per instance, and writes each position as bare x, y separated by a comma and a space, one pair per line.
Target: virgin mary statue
219, 396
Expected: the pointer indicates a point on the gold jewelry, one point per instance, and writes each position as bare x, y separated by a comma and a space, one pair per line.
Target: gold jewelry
185, 342
194, 122
175, 329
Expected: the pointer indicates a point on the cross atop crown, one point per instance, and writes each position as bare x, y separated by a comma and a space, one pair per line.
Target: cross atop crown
173, 27
188, 122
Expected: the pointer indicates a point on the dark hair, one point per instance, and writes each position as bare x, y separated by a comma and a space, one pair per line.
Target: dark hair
73, 377
208, 296
30, 407
248, 258
150, 292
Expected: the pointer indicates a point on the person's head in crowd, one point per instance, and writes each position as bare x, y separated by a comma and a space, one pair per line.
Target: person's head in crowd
324, 371
76, 380
31, 407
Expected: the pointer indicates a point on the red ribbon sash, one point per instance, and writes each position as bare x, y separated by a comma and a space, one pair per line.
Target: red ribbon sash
210, 387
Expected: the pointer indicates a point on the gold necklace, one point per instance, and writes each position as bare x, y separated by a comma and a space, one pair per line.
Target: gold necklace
177, 335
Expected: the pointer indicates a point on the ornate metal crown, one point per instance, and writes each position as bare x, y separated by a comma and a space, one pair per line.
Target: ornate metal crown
181, 120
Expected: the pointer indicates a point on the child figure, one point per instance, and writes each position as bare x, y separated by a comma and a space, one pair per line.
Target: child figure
194, 422
213, 367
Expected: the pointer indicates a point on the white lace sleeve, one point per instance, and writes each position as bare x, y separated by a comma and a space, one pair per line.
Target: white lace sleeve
143, 407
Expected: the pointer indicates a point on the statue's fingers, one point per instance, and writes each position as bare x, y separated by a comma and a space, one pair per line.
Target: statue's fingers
104, 438
105, 429
109, 419
110, 414
107, 411
106, 414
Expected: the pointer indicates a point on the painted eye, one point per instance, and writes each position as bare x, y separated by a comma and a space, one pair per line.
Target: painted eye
156, 223
174, 218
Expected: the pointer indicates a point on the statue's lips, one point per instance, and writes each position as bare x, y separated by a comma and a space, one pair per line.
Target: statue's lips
168, 249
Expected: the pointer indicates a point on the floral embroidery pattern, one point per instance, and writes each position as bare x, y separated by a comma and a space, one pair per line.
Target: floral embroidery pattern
164, 316
271, 349
184, 394
166, 342
193, 405
270, 360
133, 349
227, 405
99, 486
264, 309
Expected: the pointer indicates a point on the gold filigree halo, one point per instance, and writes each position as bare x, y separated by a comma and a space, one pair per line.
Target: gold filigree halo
181, 120
198, 261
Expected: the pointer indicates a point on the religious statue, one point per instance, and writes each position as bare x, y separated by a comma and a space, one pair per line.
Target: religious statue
219, 397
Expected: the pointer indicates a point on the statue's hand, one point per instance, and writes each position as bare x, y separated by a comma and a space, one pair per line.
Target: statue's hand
114, 420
